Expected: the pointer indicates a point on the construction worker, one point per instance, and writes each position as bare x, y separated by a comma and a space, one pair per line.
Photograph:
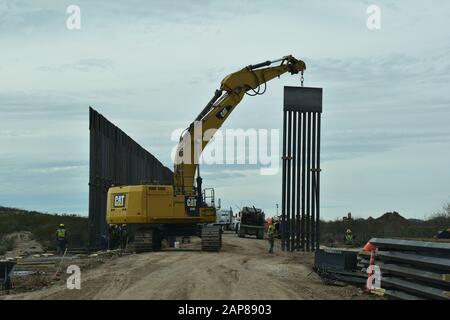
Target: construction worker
123, 236
271, 236
112, 237
276, 226
61, 239
348, 238
104, 242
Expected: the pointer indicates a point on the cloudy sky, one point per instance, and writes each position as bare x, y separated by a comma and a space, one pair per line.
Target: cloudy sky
151, 66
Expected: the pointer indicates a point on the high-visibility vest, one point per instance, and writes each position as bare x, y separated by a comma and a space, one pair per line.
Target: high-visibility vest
271, 231
348, 238
61, 233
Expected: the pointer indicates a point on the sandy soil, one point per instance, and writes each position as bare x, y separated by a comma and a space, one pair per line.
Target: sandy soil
24, 244
242, 270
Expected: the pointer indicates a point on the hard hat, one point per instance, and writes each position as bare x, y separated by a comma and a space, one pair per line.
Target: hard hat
61, 225
124, 225
349, 231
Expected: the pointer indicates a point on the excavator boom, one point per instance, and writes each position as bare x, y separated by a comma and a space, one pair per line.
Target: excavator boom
163, 211
232, 90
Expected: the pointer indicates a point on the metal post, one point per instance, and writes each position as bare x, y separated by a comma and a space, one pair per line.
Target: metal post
283, 193
294, 180
299, 186
308, 186
313, 176
318, 184
288, 197
303, 182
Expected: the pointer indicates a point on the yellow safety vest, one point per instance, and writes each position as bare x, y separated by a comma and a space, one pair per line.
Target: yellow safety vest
271, 231
61, 233
349, 238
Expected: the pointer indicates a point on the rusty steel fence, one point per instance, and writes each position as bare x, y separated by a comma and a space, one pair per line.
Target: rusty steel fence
115, 159
300, 227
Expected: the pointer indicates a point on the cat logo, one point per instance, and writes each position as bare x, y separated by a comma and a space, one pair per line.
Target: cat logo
191, 205
223, 113
191, 201
119, 201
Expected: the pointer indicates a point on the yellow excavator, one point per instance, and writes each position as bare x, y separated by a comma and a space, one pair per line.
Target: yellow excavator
181, 209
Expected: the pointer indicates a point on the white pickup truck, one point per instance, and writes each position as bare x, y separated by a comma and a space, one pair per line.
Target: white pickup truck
225, 219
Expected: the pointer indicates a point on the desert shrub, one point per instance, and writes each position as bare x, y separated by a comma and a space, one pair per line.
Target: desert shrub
43, 226
389, 225
6, 244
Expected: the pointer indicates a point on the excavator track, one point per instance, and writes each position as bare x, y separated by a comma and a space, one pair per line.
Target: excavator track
146, 241
211, 238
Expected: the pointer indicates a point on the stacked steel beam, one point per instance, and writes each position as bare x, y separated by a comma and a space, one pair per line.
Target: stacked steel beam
301, 169
412, 270
339, 265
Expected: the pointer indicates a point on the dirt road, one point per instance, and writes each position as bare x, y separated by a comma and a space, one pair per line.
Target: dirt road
242, 270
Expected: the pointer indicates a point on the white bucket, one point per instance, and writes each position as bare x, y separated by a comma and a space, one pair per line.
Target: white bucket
176, 245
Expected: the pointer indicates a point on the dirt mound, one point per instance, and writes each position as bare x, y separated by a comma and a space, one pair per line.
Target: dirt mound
23, 244
392, 217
